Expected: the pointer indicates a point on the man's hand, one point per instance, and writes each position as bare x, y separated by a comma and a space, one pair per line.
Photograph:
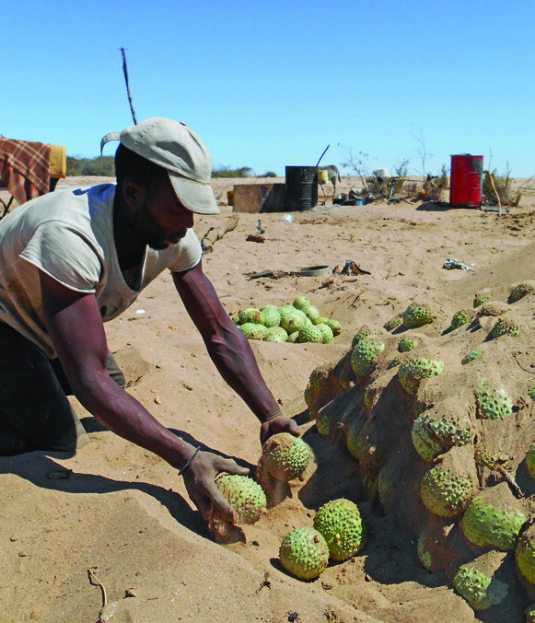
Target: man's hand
278, 424
199, 478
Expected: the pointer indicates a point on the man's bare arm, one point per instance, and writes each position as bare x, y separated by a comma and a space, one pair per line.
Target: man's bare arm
229, 349
74, 323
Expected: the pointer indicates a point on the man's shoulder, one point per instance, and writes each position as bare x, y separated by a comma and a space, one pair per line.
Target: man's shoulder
72, 206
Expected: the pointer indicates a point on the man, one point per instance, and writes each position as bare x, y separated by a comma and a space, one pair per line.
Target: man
71, 260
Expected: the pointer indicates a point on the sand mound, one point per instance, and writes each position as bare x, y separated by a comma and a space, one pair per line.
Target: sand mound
441, 432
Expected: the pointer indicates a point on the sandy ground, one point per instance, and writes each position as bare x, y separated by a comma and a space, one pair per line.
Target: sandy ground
122, 512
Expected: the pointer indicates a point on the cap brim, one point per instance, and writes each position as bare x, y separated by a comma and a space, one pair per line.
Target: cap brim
196, 196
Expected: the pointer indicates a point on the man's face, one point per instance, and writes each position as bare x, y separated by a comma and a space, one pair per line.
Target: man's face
160, 219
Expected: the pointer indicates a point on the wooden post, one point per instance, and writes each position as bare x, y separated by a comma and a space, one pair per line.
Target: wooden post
495, 191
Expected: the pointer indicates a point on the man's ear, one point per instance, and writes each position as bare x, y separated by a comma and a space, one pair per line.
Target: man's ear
133, 192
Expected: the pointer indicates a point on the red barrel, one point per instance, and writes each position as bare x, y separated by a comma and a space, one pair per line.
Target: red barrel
465, 180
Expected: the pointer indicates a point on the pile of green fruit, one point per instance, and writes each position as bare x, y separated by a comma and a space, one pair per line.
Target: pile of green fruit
297, 322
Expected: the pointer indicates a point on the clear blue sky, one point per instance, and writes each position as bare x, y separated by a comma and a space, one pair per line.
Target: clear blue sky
272, 85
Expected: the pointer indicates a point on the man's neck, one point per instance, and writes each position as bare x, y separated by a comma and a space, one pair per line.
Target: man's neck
130, 249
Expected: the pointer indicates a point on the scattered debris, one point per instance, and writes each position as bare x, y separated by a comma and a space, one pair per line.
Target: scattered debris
352, 267
451, 262
108, 609
213, 234
266, 582
259, 229
255, 238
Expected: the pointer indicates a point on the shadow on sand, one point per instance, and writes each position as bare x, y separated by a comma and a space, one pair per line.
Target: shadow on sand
42, 470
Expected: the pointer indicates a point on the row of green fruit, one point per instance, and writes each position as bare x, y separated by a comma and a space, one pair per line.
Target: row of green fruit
297, 322
338, 531
488, 518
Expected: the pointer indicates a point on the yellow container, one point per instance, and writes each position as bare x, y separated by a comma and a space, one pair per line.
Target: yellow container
323, 177
58, 161
230, 197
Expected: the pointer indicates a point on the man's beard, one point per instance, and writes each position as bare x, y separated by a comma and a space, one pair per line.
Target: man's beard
151, 233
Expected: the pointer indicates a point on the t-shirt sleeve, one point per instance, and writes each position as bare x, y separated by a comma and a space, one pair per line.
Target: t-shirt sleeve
64, 254
188, 253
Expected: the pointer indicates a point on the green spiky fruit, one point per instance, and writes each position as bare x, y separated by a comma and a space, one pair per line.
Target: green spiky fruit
286, 456
478, 589
353, 438
276, 334
312, 313
443, 493
326, 332
531, 392
272, 317
392, 324
251, 314
362, 356
371, 395
461, 317
244, 495
354, 442
304, 553
505, 326
293, 321
286, 309
431, 437
480, 298
530, 461
471, 356
292, 337
406, 344
318, 384
311, 333
254, 331
493, 404
363, 334
321, 320
416, 316
363, 448
424, 555
301, 302
323, 425
412, 371
386, 487
334, 325
340, 524
522, 289
236, 319
525, 554
487, 526
424, 441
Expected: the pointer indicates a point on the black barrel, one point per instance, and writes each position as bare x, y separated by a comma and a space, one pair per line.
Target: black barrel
301, 188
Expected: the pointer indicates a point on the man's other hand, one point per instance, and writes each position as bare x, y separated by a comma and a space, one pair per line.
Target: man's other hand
278, 424
200, 477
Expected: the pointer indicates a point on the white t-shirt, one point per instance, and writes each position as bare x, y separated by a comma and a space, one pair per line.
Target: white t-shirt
68, 234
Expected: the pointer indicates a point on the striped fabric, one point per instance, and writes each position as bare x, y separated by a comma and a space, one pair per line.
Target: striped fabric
24, 168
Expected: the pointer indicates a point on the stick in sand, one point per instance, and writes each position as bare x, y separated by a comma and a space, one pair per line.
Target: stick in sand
495, 191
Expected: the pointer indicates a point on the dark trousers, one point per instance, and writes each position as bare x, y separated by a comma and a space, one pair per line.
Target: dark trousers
35, 413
